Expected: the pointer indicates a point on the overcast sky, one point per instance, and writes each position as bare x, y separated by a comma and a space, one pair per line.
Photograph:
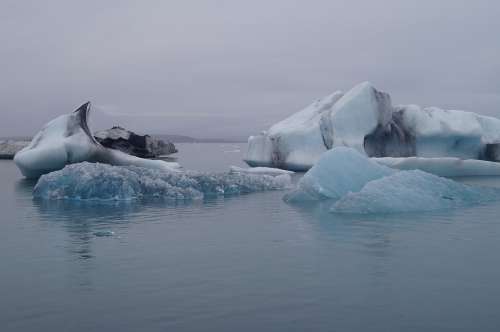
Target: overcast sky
231, 68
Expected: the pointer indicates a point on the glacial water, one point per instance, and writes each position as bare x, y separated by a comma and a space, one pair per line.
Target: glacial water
244, 263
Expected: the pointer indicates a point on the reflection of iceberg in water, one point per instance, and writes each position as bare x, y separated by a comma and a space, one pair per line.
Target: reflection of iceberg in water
79, 225
77, 228
81, 221
67, 232
73, 226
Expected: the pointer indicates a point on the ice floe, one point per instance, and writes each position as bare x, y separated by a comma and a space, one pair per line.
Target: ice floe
412, 191
355, 183
95, 181
338, 172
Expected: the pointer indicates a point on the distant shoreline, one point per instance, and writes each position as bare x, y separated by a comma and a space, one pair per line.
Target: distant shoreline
170, 138
189, 139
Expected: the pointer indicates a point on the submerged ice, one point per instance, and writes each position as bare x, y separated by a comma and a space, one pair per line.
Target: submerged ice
95, 181
355, 183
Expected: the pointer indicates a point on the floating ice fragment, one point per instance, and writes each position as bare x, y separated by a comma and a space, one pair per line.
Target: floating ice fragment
357, 184
411, 191
338, 172
94, 181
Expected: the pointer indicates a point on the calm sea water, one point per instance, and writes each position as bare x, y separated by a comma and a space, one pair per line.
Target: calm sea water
249, 263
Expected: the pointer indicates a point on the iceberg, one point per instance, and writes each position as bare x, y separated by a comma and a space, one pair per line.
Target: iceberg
96, 181
296, 142
338, 172
66, 140
365, 119
412, 191
143, 146
354, 183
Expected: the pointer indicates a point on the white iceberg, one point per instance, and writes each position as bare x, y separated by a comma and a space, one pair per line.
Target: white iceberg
95, 181
355, 183
412, 191
364, 119
446, 166
296, 142
67, 140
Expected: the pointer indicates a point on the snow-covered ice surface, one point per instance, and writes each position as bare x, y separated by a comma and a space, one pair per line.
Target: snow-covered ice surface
66, 140
355, 183
94, 181
259, 170
446, 166
364, 119
339, 171
413, 191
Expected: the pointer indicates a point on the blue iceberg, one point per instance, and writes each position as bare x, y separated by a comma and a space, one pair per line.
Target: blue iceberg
338, 172
356, 184
412, 191
94, 181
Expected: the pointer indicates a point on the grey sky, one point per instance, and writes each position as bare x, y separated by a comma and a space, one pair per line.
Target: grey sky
232, 68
